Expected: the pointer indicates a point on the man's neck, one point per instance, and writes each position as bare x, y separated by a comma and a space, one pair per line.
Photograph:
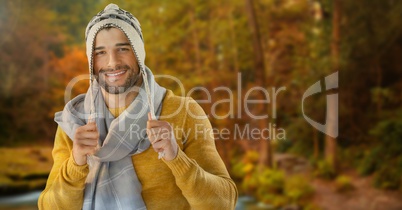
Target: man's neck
120, 100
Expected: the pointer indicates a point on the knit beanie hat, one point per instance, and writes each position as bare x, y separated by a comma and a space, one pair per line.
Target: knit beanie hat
113, 16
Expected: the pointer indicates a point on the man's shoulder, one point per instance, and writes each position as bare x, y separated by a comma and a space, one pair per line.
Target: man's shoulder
173, 105
178, 106
173, 99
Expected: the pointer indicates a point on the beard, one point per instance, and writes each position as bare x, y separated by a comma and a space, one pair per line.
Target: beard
131, 80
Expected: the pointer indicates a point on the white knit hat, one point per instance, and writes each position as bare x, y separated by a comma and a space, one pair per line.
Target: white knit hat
113, 16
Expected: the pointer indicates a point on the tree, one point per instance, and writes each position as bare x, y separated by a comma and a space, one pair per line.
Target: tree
330, 142
260, 81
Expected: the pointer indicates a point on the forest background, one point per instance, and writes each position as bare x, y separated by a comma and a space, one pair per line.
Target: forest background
222, 47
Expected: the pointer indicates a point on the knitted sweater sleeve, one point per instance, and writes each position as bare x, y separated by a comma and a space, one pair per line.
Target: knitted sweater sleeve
198, 169
66, 182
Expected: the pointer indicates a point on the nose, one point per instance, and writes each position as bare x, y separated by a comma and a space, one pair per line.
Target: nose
114, 60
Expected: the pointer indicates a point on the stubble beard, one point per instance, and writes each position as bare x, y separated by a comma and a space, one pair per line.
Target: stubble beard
131, 81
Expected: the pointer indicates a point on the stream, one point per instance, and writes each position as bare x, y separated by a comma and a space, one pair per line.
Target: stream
26, 201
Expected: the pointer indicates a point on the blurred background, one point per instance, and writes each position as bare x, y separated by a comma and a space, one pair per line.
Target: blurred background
209, 44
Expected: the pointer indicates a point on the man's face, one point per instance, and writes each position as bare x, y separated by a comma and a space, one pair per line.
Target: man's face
115, 65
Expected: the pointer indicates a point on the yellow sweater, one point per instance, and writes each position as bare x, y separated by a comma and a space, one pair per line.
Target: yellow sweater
195, 179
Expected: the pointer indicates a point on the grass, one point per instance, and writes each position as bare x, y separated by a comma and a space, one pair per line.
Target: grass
24, 169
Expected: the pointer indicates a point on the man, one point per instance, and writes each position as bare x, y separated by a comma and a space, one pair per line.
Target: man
103, 160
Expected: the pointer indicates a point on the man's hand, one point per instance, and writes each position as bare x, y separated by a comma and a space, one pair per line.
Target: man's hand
162, 138
85, 142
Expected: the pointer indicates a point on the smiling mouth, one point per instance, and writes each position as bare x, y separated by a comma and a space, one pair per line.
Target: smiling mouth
116, 74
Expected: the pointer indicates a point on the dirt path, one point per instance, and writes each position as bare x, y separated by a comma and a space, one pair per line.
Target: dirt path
363, 197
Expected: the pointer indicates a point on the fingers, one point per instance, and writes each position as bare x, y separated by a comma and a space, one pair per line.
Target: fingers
160, 137
88, 135
91, 126
160, 145
85, 142
155, 123
89, 142
160, 134
157, 130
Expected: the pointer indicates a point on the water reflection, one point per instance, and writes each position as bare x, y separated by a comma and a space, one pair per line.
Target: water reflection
27, 201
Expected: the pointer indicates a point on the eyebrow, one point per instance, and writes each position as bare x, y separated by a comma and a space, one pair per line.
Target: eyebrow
122, 44
117, 45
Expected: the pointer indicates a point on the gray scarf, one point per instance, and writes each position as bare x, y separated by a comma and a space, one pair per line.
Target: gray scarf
112, 182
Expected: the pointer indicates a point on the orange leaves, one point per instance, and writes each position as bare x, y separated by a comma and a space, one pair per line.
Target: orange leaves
73, 63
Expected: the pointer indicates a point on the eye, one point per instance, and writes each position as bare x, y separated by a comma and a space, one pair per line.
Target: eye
99, 53
123, 49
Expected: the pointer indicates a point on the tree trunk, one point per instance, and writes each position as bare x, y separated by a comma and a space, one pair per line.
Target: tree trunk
316, 144
330, 142
265, 146
196, 40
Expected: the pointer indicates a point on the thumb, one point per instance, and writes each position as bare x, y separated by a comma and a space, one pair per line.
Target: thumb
91, 121
91, 126
149, 116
